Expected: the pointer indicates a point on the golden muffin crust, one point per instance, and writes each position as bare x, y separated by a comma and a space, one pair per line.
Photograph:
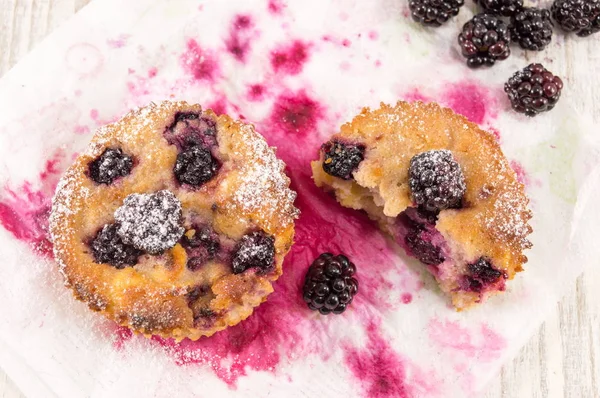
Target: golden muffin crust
493, 220
161, 294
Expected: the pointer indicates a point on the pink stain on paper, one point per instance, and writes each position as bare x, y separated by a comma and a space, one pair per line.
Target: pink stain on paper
520, 172
199, 63
383, 373
484, 344
290, 58
24, 211
296, 114
477, 103
239, 40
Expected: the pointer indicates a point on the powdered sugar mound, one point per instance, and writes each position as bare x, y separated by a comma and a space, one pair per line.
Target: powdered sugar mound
265, 187
150, 222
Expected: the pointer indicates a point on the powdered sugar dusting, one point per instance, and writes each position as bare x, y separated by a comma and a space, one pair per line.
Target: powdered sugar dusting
264, 188
150, 222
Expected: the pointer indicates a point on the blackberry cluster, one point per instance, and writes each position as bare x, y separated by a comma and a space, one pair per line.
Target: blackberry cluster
579, 16
195, 166
255, 250
108, 248
341, 159
436, 180
533, 90
483, 40
531, 28
434, 12
329, 286
109, 166
506, 8
481, 273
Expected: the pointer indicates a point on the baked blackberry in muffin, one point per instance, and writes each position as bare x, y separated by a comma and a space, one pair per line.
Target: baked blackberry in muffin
174, 222
441, 187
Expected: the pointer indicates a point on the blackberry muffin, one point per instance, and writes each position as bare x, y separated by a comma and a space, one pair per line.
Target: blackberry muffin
440, 186
174, 222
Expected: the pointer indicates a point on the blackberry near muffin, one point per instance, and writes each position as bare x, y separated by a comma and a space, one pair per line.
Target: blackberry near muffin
441, 187
174, 222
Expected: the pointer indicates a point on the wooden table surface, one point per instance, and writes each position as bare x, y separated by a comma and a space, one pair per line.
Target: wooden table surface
562, 359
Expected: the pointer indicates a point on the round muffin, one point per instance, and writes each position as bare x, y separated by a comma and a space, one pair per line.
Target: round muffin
174, 222
440, 186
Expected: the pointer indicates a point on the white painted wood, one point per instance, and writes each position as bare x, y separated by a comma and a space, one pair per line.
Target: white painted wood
563, 358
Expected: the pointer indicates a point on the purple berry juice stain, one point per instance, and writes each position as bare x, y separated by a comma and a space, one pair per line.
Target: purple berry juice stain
24, 211
239, 40
199, 63
290, 58
474, 101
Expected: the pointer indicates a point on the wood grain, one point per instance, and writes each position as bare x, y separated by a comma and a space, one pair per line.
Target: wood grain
563, 358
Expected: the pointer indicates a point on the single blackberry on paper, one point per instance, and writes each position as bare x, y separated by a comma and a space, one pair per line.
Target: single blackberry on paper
531, 28
581, 17
533, 90
434, 12
329, 285
484, 40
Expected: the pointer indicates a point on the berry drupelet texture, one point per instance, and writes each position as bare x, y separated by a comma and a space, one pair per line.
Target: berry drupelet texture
481, 274
436, 180
484, 40
151, 221
505, 8
329, 285
533, 90
255, 250
109, 166
434, 12
108, 248
581, 17
195, 166
531, 28
342, 159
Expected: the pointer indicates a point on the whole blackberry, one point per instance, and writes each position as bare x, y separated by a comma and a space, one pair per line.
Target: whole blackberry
340, 159
533, 90
434, 12
329, 285
579, 16
506, 8
255, 250
195, 166
436, 180
150, 221
483, 40
109, 166
531, 28
108, 248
